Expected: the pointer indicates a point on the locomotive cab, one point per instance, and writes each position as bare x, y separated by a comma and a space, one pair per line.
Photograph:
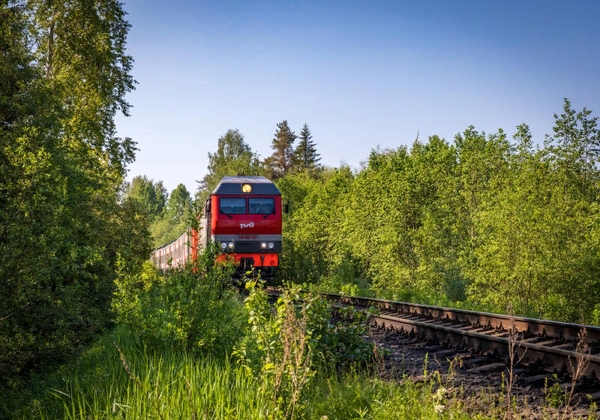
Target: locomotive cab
243, 215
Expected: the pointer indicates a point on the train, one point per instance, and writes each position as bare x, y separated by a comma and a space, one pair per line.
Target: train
243, 215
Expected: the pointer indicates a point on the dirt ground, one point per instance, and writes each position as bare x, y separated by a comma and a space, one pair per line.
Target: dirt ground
479, 382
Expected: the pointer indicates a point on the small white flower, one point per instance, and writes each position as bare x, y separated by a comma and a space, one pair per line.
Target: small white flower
439, 409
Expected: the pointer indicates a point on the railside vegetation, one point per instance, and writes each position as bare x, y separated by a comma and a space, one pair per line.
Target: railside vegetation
483, 221
188, 347
64, 221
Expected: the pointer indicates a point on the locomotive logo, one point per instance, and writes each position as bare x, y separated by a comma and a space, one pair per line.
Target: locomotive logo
249, 225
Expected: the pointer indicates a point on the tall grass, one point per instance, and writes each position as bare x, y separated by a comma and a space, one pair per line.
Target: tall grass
142, 384
163, 386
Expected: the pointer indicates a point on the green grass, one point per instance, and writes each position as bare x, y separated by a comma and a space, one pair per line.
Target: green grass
167, 385
174, 386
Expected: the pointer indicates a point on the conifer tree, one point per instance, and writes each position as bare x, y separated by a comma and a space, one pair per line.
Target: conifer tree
281, 161
305, 155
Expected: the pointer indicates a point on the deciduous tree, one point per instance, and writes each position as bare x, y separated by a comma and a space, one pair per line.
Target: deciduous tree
233, 157
63, 225
151, 196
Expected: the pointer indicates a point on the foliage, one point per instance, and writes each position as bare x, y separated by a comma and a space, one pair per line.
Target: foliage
476, 222
191, 307
166, 229
233, 157
541, 228
305, 155
170, 214
174, 219
286, 346
64, 222
344, 280
174, 385
309, 319
180, 203
281, 162
168, 385
151, 196
312, 227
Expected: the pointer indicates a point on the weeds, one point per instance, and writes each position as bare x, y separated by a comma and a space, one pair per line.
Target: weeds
514, 346
296, 353
582, 362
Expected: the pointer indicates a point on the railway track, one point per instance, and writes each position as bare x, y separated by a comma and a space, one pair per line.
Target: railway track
542, 346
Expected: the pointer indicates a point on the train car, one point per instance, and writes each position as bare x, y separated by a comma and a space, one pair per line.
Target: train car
243, 215
177, 251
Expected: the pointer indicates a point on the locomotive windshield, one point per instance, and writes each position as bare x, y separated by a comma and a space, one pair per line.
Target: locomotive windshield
261, 205
232, 205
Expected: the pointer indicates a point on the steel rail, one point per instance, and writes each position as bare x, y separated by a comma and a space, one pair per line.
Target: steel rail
543, 343
533, 326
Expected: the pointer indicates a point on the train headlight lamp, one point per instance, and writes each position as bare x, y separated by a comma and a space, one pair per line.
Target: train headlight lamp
271, 245
224, 245
263, 245
247, 188
230, 245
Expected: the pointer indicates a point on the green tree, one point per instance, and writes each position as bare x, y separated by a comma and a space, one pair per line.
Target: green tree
179, 202
81, 49
539, 248
162, 197
63, 224
175, 219
576, 146
280, 163
152, 196
233, 157
305, 155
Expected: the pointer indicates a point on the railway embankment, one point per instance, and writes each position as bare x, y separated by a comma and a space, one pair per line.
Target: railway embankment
545, 367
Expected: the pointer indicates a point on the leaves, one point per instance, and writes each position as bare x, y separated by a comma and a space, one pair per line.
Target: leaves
233, 157
184, 307
281, 162
481, 220
63, 76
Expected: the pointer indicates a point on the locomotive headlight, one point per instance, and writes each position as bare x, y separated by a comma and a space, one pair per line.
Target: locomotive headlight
230, 245
263, 245
224, 245
271, 245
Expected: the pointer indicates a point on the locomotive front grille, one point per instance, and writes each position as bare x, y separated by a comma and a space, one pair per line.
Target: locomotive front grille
254, 247
247, 247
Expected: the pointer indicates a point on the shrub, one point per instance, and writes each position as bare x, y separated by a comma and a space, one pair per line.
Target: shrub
192, 307
286, 344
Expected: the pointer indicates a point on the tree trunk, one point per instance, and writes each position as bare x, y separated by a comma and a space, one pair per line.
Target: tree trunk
50, 45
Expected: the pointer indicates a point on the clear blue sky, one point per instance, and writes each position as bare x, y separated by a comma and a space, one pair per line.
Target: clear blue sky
361, 74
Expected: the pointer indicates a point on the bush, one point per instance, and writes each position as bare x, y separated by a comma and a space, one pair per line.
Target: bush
192, 307
286, 346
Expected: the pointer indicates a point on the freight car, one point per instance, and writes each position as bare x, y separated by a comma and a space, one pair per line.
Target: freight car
243, 215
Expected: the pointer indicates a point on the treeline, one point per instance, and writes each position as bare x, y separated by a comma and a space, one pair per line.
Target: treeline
170, 215
485, 220
64, 224
234, 156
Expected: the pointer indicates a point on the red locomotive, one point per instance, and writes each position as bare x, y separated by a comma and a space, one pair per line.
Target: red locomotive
243, 215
